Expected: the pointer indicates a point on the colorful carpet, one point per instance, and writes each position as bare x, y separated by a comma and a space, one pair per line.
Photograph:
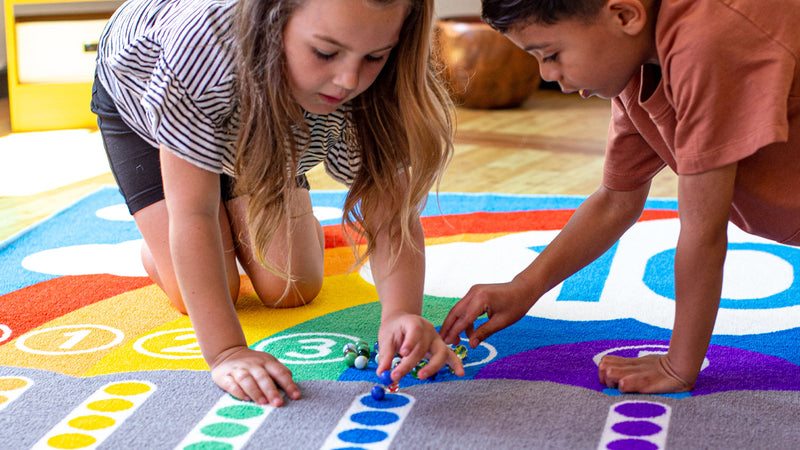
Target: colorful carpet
93, 356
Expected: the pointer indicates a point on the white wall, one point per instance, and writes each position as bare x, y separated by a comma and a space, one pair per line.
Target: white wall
451, 8
444, 8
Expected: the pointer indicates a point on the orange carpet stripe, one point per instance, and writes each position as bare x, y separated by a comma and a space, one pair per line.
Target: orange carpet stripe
490, 222
30, 307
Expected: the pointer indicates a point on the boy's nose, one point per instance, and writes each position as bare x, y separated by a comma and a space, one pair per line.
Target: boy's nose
547, 73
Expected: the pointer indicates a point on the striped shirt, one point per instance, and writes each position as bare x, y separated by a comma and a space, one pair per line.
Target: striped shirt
169, 66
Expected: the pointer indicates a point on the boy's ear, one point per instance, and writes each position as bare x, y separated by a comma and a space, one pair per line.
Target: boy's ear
630, 16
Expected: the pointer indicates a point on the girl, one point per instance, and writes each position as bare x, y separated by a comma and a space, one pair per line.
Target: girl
190, 94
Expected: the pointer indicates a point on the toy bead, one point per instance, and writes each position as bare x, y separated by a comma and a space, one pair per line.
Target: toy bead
393, 387
415, 370
349, 348
395, 361
360, 362
350, 358
461, 351
378, 393
386, 377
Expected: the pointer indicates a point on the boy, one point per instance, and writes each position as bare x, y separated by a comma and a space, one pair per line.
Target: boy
707, 87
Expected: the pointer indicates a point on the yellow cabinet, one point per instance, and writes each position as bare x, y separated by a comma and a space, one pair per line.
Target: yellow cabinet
51, 47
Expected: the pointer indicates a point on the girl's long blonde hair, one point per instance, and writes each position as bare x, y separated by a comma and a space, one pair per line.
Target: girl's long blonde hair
403, 126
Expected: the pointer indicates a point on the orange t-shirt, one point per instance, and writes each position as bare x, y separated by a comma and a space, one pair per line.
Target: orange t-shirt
728, 90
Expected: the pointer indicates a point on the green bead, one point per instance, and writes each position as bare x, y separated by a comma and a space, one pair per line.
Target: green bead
414, 371
350, 358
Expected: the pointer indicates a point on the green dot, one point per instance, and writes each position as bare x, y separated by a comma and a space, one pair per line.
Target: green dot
208, 445
224, 430
240, 412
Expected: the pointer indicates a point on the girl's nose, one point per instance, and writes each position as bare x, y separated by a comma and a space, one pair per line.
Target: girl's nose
347, 77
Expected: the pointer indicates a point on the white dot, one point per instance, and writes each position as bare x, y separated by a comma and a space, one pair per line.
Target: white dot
750, 274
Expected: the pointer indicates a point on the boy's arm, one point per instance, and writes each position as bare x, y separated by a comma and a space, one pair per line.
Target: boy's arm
704, 202
400, 286
594, 228
193, 202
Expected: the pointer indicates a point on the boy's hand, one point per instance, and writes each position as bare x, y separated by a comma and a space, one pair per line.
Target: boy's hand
252, 375
503, 303
414, 338
650, 374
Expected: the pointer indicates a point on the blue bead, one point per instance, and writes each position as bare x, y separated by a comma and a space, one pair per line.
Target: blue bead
386, 377
378, 393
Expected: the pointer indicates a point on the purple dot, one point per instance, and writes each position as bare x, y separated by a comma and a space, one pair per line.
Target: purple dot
640, 410
636, 428
631, 444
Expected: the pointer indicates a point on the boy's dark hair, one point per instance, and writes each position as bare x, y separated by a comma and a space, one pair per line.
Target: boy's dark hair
503, 15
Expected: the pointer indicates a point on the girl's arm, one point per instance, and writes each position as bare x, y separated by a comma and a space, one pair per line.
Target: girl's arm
704, 204
193, 201
400, 288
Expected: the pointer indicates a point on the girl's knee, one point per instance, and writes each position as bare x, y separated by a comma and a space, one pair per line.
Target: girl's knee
297, 293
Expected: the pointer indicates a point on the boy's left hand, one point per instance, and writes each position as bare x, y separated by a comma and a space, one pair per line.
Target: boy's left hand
414, 338
650, 374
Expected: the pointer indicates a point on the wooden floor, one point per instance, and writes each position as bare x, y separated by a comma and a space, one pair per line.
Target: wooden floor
553, 144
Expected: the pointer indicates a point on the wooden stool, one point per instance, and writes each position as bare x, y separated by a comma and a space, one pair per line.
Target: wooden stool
482, 68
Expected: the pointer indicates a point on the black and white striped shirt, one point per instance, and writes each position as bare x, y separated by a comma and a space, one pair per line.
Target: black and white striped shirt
169, 65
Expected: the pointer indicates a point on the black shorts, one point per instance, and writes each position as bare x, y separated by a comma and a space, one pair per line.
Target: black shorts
134, 162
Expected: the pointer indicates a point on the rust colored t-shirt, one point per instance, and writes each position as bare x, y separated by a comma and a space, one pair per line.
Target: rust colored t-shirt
727, 91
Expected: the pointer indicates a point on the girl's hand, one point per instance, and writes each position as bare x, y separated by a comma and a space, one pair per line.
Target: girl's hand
255, 376
650, 374
414, 338
504, 303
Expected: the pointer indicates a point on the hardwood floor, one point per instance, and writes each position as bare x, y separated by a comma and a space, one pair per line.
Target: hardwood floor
553, 144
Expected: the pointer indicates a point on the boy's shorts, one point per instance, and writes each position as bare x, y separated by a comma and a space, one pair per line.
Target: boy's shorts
135, 163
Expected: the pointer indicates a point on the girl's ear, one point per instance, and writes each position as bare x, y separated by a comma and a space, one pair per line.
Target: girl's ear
630, 16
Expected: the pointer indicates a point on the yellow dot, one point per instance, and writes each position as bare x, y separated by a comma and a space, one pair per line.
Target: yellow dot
12, 384
130, 388
71, 440
110, 405
3, 399
93, 422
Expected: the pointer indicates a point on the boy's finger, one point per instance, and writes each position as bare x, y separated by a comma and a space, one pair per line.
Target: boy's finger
454, 324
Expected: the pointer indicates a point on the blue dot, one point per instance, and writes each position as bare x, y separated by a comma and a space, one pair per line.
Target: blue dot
636, 428
374, 418
640, 410
362, 436
631, 444
388, 402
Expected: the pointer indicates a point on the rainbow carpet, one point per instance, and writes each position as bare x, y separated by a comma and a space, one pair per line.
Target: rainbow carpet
93, 356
